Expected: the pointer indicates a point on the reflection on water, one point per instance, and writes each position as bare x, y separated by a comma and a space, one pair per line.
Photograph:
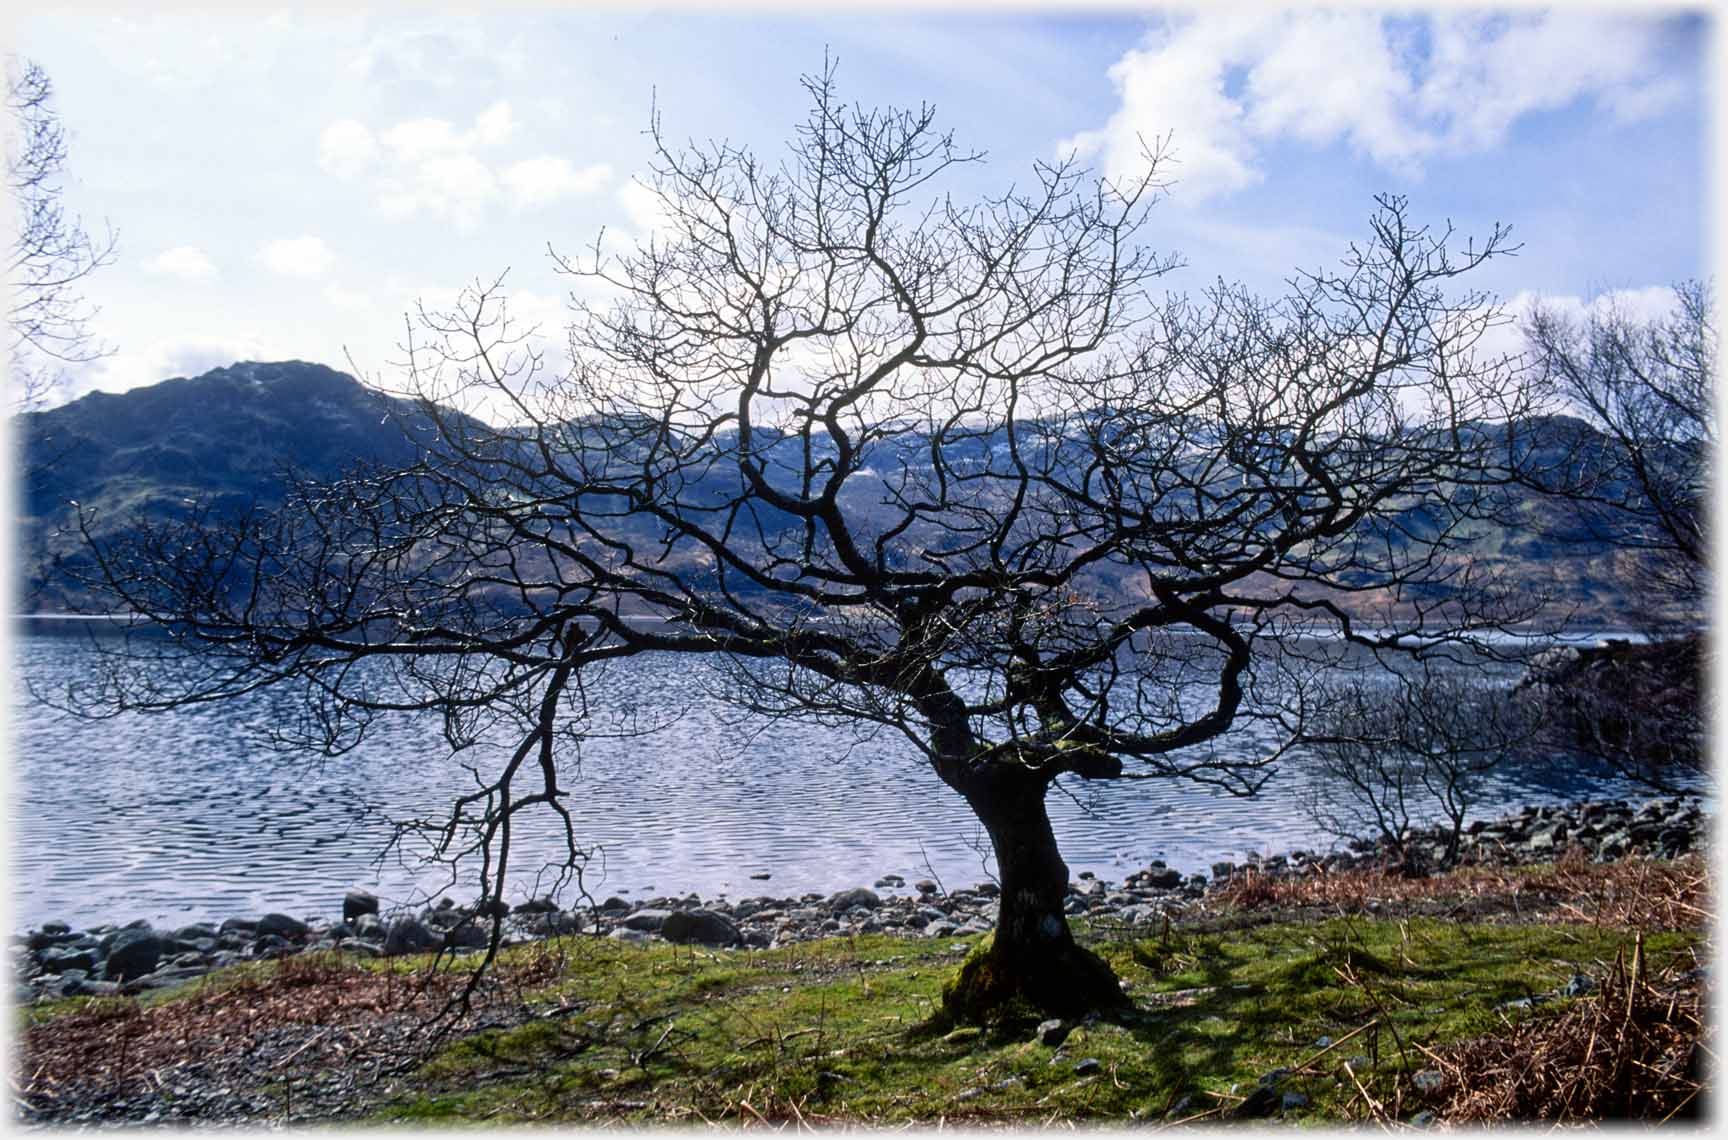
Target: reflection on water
186, 816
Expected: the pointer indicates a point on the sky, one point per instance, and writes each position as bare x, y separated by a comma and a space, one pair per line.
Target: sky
291, 184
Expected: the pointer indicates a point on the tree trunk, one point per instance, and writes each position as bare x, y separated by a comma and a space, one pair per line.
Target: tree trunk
1032, 955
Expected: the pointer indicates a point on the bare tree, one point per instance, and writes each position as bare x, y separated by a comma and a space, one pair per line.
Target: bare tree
1632, 473
1636, 479
51, 252
1405, 749
1637, 709
952, 469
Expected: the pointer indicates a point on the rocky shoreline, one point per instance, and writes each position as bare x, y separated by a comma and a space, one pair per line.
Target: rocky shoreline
56, 961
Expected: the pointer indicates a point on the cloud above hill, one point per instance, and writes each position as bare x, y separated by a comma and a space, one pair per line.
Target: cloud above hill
432, 167
1222, 88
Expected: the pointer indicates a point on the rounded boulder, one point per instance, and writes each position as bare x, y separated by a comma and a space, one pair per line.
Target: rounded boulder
704, 926
132, 954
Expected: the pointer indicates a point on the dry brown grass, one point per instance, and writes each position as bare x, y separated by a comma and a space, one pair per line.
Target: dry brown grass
1630, 893
1637, 1050
331, 1002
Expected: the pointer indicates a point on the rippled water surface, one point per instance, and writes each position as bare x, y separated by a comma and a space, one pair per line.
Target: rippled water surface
186, 816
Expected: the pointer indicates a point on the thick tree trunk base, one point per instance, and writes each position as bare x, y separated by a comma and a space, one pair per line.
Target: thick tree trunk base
1065, 980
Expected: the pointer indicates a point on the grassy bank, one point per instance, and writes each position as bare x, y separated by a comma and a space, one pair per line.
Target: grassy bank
1371, 1012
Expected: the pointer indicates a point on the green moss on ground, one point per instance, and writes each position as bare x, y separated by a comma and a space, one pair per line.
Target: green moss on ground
841, 1030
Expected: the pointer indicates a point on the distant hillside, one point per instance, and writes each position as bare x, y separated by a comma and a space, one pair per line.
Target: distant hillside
227, 438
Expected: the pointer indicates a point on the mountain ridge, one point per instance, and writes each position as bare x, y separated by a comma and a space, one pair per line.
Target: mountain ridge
228, 438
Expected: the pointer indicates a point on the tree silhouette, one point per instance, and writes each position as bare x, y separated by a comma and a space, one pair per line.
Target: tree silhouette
51, 252
956, 469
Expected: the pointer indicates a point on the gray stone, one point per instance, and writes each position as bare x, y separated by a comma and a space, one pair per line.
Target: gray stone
57, 961
469, 935
370, 926
282, 926
925, 887
93, 988
1162, 880
132, 953
358, 902
164, 978
648, 919
537, 906
1429, 1080
272, 946
1263, 1101
1615, 844
557, 922
858, 896
408, 936
625, 934
704, 926
44, 938
1053, 1032
1088, 1066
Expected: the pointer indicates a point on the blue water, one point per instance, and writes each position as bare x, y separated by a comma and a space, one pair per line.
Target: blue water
189, 816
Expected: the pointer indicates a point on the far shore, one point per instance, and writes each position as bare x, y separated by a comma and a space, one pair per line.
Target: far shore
1583, 635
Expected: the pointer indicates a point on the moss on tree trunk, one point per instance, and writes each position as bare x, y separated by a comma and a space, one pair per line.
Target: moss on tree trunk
1031, 959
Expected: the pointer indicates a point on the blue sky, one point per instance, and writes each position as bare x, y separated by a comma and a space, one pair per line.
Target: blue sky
287, 185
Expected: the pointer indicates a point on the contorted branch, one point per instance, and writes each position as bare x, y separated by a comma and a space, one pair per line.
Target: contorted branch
956, 469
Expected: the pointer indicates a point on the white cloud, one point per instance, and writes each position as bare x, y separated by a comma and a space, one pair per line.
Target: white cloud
537, 181
185, 262
1222, 85
1487, 72
304, 256
137, 365
1644, 304
433, 166
1331, 76
417, 140
1647, 303
455, 186
494, 125
1176, 90
345, 298
642, 206
346, 148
